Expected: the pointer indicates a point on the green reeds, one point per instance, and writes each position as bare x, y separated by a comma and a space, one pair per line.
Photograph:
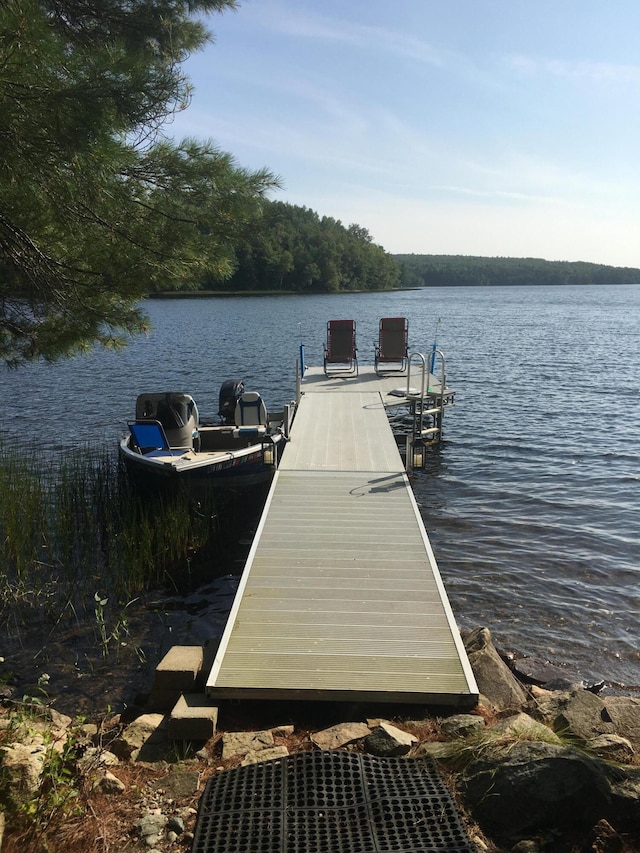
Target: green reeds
72, 530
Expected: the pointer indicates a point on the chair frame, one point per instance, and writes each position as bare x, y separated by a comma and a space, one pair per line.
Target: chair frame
392, 349
340, 350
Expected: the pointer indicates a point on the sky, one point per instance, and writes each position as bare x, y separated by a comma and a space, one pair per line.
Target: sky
467, 127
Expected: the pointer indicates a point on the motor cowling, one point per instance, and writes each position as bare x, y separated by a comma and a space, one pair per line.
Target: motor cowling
177, 413
230, 392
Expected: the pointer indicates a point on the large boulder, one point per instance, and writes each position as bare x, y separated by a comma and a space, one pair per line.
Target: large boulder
495, 679
583, 715
523, 727
624, 713
531, 787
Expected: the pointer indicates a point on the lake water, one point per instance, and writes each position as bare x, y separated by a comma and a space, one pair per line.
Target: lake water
532, 500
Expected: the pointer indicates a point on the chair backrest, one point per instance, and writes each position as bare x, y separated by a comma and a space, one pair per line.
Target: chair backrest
393, 338
251, 410
341, 340
149, 436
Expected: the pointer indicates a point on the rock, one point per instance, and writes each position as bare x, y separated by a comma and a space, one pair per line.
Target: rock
22, 765
624, 791
340, 735
604, 839
109, 784
541, 672
387, 740
240, 743
145, 739
494, 678
283, 731
563, 685
264, 755
150, 828
178, 784
59, 722
438, 750
461, 725
176, 824
624, 713
532, 787
524, 727
94, 757
545, 705
582, 715
612, 747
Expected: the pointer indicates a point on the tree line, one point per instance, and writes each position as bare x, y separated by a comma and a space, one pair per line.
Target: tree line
468, 270
293, 249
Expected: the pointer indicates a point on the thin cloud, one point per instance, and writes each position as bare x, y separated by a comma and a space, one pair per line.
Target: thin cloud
581, 71
358, 35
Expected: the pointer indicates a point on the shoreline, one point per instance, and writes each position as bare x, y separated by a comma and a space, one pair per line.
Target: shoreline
136, 780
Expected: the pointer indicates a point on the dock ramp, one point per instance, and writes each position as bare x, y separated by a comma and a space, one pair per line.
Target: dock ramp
341, 597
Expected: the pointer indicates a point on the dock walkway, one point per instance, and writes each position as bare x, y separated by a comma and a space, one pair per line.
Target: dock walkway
341, 597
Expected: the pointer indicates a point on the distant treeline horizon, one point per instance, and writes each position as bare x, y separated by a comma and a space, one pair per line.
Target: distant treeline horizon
477, 271
292, 249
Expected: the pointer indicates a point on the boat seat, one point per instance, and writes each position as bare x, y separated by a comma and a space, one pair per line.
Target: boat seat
150, 439
251, 415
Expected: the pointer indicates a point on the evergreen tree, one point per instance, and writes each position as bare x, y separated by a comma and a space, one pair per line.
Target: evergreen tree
96, 209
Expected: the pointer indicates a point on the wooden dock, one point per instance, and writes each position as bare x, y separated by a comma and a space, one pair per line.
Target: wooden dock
341, 597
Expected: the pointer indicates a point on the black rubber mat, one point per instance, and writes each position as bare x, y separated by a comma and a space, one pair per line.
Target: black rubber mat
330, 802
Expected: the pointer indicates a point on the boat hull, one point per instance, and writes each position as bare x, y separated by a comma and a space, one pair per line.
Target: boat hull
243, 467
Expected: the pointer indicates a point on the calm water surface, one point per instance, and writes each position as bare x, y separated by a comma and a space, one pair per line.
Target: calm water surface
531, 502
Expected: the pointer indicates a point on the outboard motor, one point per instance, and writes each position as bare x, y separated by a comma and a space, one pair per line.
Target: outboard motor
177, 413
230, 392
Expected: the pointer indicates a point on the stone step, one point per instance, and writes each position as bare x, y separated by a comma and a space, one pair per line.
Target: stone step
193, 718
178, 672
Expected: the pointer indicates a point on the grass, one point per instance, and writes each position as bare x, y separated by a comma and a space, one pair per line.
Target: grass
78, 535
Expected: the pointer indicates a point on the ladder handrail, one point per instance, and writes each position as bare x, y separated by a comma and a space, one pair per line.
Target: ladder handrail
424, 370
437, 411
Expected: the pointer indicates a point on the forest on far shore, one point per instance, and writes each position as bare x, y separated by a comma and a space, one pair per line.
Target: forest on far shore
292, 249
449, 270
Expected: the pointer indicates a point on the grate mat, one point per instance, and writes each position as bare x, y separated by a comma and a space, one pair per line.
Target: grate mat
333, 802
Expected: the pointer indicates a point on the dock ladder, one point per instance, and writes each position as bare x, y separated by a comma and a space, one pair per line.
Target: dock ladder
427, 406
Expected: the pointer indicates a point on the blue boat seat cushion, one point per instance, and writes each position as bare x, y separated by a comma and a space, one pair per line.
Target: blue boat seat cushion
151, 439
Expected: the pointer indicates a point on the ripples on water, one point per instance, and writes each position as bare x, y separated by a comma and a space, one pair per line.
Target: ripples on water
531, 502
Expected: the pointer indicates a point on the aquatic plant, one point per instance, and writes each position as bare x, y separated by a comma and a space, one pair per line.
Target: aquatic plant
69, 529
